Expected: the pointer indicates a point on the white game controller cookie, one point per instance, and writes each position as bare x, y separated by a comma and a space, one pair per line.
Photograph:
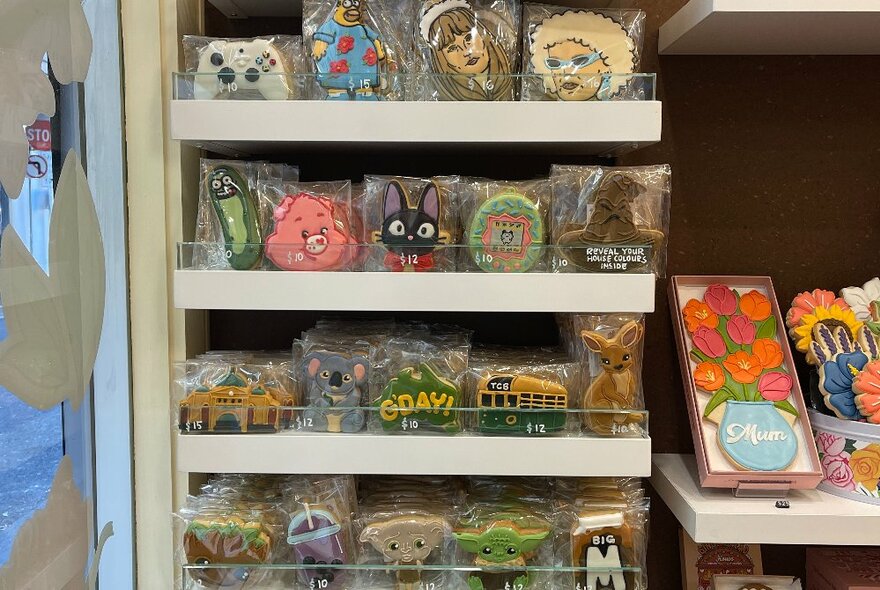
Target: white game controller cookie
240, 65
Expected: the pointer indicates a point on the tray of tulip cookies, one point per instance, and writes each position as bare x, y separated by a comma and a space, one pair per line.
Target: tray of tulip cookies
840, 338
748, 416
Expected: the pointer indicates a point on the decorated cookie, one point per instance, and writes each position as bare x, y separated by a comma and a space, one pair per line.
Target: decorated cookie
464, 49
315, 536
310, 234
334, 385
237, 214
611, 241
602, 542
225, 540
577, 51
419, 397
740, 363
349, 55
507, 233
617, 385
406, 540
231, 404
500, 396
410, 234
500, 543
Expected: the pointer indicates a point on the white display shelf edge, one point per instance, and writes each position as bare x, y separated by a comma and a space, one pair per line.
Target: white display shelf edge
256, 126
711, 515
386, 291
773, 27
413, 454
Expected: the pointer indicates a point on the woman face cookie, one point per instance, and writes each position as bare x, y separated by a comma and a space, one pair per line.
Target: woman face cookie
574, 51
474, 64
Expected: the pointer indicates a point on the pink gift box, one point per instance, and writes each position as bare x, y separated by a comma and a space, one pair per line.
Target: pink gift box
715, 470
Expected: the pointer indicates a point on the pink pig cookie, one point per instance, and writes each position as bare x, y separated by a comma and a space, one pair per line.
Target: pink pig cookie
308, 235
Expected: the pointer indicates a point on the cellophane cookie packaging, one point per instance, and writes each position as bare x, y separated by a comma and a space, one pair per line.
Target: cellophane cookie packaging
505, 225
310, 226
407, 530
235, 392
266, 67
522, 391
407, 521
419, 380
610, 349
610, 219
411, 220
359, 49
467, 49
231, 220
581, 54
335, 370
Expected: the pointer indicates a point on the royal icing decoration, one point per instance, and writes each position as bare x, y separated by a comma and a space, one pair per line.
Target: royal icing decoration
334, 384
507, 234
237, 214
410, 234
611, 241
348, 54
739, 362
310, 234
419, 397
617, 385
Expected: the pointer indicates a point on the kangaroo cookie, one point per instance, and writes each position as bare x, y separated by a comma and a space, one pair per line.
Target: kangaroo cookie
617, 385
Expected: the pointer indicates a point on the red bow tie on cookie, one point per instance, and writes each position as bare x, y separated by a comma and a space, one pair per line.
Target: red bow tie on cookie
402, 262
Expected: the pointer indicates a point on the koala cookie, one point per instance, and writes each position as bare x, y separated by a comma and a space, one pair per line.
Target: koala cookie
334, 385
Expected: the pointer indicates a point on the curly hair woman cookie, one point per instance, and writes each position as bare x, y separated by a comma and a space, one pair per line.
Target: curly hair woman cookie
575, 52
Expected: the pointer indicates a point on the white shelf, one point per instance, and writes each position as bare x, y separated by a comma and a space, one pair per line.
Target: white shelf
414, 455
388, 291
241, 127
773, 27
715, 516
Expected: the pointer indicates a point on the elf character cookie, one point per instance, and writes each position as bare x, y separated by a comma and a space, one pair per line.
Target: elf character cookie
612, 225
311, 233
349, 55
507, 233
576, 52
406, 540
410, 233
465, 51
237, 213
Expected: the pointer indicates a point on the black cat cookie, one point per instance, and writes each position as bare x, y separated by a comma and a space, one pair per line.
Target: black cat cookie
410, 234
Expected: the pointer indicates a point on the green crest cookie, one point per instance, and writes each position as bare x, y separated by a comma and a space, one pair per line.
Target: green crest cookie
419, 397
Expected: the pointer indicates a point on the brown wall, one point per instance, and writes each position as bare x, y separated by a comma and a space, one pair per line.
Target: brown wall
775, 166
776, 171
